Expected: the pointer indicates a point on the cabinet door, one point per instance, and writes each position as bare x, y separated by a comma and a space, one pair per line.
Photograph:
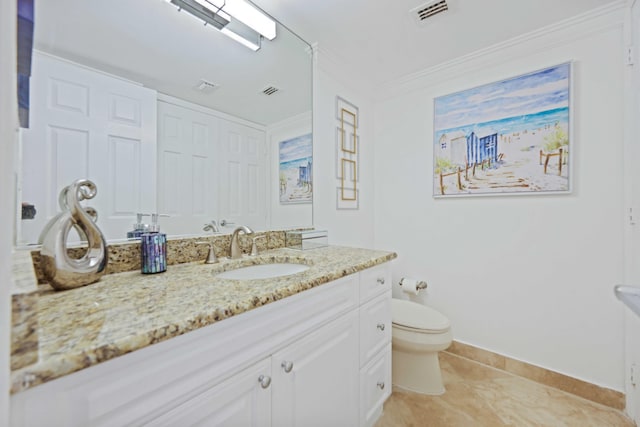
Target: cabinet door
244, 400
315, 380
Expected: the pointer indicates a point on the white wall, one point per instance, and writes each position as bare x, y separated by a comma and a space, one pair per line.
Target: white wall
8, 124
346, 227
529, 277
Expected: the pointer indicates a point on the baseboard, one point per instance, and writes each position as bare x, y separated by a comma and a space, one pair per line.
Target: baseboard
586, 390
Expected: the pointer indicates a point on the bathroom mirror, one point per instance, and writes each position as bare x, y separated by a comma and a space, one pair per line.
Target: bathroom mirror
263, 96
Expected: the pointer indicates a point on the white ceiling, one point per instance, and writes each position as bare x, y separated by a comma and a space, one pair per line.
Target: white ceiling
384, 42
150, 42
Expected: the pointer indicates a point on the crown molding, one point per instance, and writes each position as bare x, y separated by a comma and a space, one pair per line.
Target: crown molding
595, 21
342, 70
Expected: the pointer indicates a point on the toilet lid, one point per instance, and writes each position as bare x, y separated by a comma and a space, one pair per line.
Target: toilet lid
417, 316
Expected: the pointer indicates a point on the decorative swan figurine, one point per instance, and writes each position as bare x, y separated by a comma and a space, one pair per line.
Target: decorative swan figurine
60, 270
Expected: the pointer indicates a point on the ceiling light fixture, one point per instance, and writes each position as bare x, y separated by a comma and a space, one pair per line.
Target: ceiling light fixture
208, 15
252, 43
237, 19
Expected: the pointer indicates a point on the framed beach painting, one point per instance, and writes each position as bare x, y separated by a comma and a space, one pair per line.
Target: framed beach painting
296, 172
505, 138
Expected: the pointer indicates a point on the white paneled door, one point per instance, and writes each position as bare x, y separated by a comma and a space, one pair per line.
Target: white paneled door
85, 124
187, 172
243, 163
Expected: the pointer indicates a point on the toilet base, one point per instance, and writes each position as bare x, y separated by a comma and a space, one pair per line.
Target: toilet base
417, 372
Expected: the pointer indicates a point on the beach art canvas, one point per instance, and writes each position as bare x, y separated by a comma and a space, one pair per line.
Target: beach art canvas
296, 161
508, 137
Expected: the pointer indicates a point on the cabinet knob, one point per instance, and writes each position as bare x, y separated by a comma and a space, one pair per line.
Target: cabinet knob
381, 280
381, 326
264, 380
287, 366
381, 385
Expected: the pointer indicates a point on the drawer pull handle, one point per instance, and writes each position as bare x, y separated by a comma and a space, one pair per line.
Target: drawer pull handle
287, 366
381, 385
381, 326
264, 380
381, 280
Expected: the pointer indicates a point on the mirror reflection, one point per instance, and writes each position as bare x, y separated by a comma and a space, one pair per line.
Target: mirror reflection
166, 115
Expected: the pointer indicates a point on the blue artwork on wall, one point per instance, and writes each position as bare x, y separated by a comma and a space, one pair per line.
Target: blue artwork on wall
296, 170
507, 137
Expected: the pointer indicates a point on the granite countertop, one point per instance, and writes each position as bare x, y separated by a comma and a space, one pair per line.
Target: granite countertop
125, 312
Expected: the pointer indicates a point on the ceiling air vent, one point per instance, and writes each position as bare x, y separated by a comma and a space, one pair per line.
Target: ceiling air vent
270, 90
427, 10
205, 86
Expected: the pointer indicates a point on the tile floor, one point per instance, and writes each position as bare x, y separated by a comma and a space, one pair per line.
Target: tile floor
478, 395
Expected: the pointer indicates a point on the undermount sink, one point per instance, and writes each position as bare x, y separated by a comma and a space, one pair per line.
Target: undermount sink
263, 271
630, 296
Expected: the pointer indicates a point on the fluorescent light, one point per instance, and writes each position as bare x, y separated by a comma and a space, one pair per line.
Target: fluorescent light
237, 37
215, 6
237, 19
207, 14
245, 12
249, 15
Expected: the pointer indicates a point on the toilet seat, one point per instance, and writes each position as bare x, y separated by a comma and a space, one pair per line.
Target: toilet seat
418, 318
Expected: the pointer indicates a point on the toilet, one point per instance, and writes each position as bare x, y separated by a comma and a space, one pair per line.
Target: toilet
418, 334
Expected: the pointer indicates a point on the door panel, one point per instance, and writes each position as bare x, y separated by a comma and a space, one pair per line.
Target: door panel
243, 164
187, 146
83, 123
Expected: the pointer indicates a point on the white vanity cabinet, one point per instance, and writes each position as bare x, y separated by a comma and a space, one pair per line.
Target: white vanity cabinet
314, 358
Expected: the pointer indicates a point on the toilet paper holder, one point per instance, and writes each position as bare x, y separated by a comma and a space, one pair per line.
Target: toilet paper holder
420, 285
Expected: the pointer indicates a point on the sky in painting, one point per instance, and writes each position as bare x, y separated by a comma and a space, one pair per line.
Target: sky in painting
527, 94
296, 148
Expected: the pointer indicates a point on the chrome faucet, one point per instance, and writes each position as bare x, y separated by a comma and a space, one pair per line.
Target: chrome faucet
236, 251
211, 226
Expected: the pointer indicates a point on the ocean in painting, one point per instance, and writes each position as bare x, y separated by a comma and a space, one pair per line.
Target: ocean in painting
512, 125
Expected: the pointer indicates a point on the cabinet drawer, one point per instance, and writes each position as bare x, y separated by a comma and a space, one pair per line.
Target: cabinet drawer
375, 327
375, 387
375, 281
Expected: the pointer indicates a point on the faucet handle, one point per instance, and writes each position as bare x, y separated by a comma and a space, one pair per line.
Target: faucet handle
211, 226
211, 256
224, 223
254, 246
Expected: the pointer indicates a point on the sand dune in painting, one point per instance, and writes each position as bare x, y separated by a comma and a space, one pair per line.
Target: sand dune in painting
520, 168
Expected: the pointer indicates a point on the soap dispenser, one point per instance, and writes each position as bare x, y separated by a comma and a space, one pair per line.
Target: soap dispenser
138, 228
153, 248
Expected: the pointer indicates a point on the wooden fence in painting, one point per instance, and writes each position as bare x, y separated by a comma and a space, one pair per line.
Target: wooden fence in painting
485, 164
562, 159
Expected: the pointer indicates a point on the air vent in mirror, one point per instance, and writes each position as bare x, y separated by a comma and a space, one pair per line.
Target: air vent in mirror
429, 9
270, 90
205, 86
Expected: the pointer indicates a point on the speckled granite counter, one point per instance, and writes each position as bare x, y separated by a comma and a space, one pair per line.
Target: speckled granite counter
127, 311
